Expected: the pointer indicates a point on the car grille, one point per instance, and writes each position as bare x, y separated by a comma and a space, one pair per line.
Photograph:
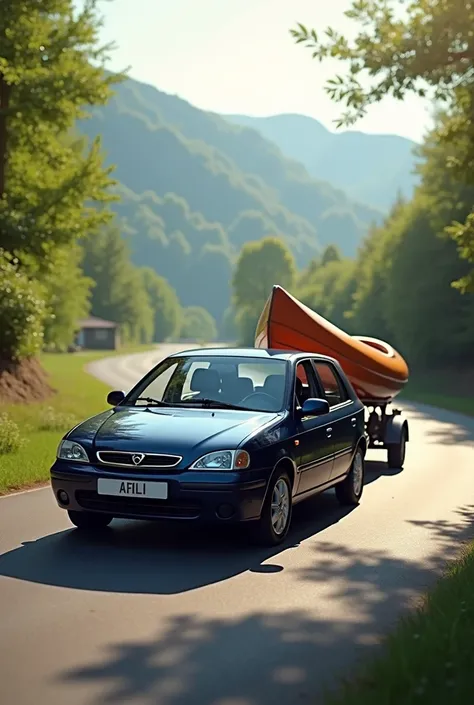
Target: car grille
132, 506
143, 461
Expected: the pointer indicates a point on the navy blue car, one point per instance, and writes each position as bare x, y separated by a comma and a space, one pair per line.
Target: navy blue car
221, 435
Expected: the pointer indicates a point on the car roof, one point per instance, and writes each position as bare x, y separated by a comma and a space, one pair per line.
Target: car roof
260, 353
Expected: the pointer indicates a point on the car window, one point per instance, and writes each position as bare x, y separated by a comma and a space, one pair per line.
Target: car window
258, 372
334, 391
242, 381
157, 388
186, 391
301, 373
306, 383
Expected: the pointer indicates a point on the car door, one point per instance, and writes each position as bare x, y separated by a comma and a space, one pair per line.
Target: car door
343, 415
316, 452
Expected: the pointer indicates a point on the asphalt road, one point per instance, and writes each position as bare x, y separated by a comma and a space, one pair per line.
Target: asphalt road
154, 616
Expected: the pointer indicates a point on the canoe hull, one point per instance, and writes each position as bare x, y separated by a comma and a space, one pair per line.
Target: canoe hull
376, 371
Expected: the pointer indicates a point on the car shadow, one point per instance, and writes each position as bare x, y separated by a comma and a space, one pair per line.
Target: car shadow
163, 558
287, 655
375, 469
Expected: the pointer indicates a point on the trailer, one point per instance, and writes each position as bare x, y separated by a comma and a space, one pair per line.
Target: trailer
387, 429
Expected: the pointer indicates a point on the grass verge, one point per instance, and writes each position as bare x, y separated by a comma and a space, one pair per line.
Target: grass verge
429, 659
43, 424
446, 390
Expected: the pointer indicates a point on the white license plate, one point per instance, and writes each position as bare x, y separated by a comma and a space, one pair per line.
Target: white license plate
132, 488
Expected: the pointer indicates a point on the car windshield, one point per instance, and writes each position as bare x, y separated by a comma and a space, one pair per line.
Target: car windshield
216, 381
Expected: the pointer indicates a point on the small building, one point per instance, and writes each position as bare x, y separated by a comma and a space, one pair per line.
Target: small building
97, 334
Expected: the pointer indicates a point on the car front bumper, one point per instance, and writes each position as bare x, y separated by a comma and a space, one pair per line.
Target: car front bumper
209, 497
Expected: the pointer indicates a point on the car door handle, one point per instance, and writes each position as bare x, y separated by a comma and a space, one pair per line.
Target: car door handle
354, 421
329, 432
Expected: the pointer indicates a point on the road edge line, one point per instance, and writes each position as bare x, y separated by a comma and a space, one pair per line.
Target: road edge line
15, 493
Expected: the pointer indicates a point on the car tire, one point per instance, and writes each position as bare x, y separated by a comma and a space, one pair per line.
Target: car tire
268, 531
89, 521
396, 452
349, 491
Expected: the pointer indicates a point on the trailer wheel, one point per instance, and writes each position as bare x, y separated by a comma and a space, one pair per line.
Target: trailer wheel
396, 451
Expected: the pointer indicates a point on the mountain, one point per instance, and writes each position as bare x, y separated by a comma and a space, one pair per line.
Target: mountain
195, 187
372, 169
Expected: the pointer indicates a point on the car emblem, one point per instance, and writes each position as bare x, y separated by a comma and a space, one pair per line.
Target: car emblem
137, 458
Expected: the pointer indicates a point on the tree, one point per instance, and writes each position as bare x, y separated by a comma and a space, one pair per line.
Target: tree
138, 313
463, 235
331, 254
261, 265
210, 275
306, 277
246, 322
331, 292
400, 283
119, 293
22, 312
51, 182
167, 314
428, 46
427, 49
51, 66
427, 318
229, 325
68, 294
368, 313
198, 324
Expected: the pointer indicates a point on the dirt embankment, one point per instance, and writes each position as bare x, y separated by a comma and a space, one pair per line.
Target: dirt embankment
23, 382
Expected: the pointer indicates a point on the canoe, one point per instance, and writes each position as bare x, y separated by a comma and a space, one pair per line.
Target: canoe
376, 371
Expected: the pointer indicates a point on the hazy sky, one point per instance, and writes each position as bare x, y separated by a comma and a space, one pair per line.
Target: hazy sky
237, 56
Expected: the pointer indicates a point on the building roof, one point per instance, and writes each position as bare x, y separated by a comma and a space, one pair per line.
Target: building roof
93, 322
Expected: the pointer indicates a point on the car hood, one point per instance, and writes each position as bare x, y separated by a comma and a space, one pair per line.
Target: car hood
174, 431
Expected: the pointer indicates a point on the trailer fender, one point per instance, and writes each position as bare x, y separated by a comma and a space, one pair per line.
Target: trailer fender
394, 427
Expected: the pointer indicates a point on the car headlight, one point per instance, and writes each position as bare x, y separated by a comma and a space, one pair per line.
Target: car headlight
223, 460
69, 450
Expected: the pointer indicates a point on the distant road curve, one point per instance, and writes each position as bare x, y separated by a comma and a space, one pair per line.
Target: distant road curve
125, 371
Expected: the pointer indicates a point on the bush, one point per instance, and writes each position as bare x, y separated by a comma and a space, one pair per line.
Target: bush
246, 321
229, 326
167, 315
10, 437
22, 312
198, 324
52, 420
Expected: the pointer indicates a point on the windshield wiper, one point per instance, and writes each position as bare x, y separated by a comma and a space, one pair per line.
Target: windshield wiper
206, 403
214, 403
156, 402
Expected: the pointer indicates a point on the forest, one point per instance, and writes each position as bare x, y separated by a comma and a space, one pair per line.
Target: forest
124, 202
412, 281
194, 188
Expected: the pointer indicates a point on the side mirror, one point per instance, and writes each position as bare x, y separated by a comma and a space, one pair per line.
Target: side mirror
315, 407
114, 398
